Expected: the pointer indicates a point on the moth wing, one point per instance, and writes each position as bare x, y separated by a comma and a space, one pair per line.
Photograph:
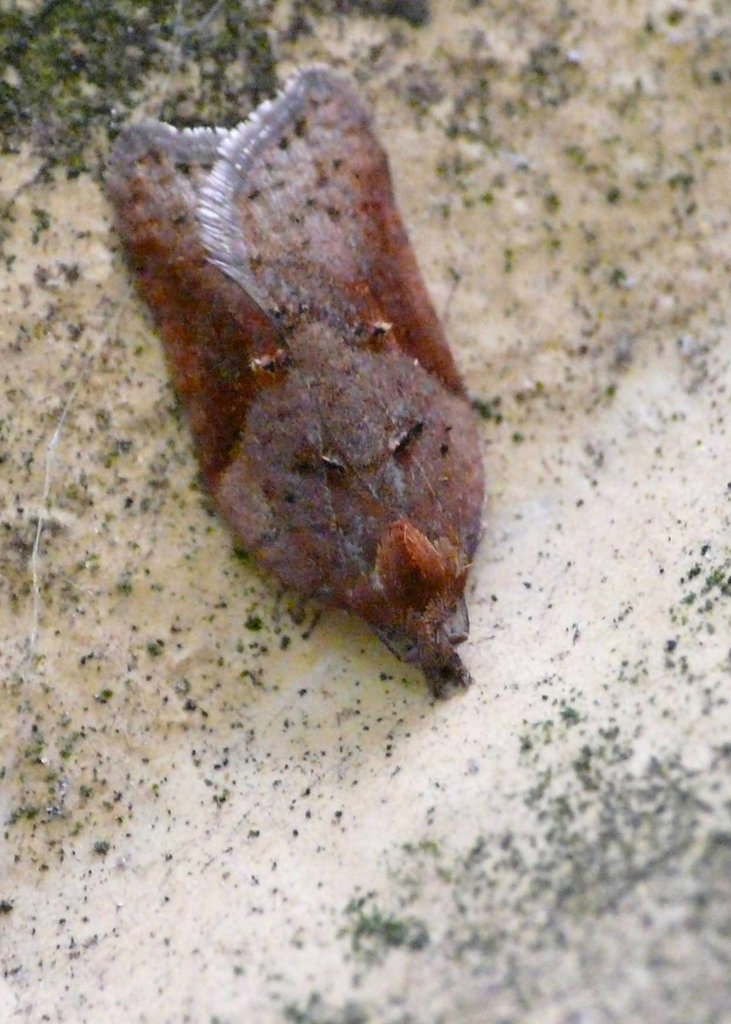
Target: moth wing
305, 183
217, 336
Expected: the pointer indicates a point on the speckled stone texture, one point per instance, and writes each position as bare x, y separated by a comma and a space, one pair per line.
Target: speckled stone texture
220, 803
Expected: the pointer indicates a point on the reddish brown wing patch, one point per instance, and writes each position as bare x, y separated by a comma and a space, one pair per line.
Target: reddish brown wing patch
216, 336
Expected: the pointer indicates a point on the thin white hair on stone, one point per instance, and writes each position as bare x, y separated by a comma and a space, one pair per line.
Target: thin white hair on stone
43, 506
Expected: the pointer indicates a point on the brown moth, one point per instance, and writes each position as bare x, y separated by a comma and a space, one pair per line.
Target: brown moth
327, 412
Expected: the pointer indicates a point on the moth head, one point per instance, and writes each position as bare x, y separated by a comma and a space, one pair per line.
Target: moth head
421, 584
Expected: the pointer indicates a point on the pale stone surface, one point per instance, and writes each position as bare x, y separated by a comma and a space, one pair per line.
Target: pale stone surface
205, 821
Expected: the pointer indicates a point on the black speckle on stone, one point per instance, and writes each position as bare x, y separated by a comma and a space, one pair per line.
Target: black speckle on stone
415, 12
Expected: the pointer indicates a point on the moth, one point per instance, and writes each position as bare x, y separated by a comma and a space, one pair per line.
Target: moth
329, 419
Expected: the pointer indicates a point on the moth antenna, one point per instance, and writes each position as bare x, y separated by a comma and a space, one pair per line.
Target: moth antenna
239, 148
195, 146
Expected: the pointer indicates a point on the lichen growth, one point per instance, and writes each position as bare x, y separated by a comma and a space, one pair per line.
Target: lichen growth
73, 67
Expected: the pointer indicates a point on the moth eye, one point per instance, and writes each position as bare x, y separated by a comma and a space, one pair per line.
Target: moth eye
401, 441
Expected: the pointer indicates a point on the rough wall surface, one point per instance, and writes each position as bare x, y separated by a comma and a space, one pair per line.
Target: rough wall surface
220, 805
